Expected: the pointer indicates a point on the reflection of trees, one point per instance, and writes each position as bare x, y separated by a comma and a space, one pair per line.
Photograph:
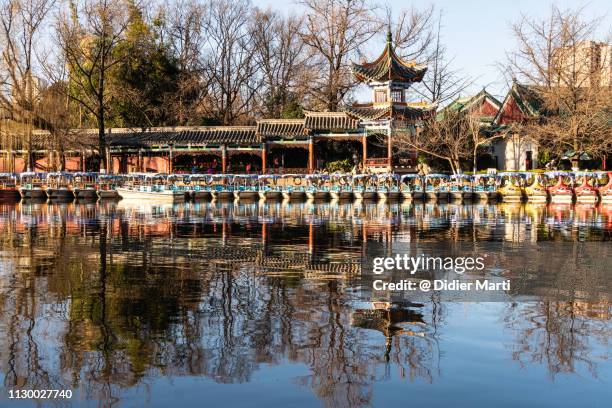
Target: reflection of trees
177, 291
23, 332
560, 335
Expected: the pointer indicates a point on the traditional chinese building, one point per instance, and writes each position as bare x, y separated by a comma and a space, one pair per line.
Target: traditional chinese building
516, 151
361, 133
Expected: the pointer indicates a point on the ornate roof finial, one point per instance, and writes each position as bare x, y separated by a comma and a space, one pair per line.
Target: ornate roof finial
389, 36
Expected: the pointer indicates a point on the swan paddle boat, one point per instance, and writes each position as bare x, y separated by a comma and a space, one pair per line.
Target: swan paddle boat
536, 191
485, 187
586, 192
561, 192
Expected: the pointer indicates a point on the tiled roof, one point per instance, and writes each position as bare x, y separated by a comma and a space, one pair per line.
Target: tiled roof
382, 111
194, 136
468, 102
76, 140
526, 98
280, 128
221, 134
388, 66
472, 104
330, 121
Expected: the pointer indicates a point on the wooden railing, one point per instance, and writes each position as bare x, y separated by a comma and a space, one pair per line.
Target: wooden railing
378, 161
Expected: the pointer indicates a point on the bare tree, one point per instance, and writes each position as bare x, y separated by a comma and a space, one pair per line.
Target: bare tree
87, 37
230, 66
423, 40
479, 134
280, 54
559, 61
445, 137
183, 32
21, 22
335, 30
413, 32
59, 115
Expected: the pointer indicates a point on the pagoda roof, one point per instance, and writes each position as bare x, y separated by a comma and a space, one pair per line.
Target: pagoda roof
387, 67
371, 112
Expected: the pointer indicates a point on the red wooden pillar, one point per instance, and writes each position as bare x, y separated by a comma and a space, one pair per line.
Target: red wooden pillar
310, 155
264, 159
389, 151
223, 159
170, 161
364, 142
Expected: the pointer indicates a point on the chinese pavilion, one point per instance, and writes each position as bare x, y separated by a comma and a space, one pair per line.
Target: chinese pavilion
365, 131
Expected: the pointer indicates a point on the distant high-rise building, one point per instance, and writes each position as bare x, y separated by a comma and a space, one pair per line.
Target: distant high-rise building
583, 65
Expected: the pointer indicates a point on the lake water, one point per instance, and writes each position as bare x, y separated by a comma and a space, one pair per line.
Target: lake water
251, 304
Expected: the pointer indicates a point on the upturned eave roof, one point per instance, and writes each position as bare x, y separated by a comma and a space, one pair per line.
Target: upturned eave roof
373, 112
387, 67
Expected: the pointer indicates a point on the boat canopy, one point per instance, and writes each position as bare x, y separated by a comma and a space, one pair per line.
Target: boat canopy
558, 173
589, 173
85, 174
410, 176
512, 174
156, 175
461, 176
436, 175
110, 176
8, 175
388, 175
32, 174
268, 176
183, 177
60, 174
478, 176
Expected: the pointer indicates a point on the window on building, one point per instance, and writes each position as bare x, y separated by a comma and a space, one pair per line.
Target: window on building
397, 95
380, 95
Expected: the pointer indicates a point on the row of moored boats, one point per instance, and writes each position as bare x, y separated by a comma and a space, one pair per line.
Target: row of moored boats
556, 187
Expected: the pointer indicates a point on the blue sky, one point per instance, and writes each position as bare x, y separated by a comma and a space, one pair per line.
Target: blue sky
477, 33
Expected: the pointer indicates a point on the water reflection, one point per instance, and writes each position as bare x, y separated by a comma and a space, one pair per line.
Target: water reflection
107, 298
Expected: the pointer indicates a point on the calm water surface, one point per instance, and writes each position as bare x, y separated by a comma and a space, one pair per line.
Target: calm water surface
221, 304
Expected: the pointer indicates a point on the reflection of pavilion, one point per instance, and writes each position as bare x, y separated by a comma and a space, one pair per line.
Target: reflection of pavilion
390, 321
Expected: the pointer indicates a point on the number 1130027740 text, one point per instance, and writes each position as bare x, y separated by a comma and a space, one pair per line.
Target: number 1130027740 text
39, 394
